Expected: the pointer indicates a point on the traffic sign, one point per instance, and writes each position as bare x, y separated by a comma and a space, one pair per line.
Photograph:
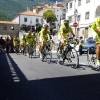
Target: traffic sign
75, 24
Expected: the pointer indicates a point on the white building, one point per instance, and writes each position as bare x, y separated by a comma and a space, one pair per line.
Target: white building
28, 18
84, 12
57, 11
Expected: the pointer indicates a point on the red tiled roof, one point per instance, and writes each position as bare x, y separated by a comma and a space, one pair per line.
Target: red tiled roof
29, 13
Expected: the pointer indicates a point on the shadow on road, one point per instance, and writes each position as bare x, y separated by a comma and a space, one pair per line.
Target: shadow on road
15, 86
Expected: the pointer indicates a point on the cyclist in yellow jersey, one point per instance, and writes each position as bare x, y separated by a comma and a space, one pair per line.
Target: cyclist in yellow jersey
29, 39
64, 33
16, 41
96, 28
44, 35
34, 39
23, 41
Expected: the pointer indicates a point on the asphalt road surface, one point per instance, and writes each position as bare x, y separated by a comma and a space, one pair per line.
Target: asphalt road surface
23, 78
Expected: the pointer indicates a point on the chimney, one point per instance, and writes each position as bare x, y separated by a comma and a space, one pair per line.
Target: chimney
28, 8
56, 3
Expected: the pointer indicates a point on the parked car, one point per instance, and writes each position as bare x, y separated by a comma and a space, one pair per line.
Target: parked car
89, 44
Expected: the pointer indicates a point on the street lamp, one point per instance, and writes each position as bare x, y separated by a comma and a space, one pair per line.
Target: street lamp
75, 16
42, 21
31, 24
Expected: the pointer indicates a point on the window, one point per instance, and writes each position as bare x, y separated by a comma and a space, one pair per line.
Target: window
12, 27
98, 11
70, 5
87, 1
64, 16
25, 19
66, 5
57, 15
37, 20
70, 19
64, 10
87, 15
4, 27
79, 2
78, 17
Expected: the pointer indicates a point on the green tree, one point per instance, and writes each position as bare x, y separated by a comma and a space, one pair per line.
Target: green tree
49, 16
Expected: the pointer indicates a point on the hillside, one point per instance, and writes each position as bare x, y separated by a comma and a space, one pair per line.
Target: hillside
9, 8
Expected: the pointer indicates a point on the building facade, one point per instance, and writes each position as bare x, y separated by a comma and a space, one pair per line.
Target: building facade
28, 18
9, 28
84, 12
57, 11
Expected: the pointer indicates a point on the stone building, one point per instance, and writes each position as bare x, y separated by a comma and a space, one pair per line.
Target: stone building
9, 28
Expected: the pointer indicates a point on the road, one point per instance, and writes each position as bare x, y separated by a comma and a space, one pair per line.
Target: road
22, 78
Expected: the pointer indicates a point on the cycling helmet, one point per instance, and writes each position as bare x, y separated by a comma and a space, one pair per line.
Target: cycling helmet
66, 22
33, 33
46, 26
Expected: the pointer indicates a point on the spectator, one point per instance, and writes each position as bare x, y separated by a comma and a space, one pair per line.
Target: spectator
51, 31
12, 45
81, 44
7, 44
2, 42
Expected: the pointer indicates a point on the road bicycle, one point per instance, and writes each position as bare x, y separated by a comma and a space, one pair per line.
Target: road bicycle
46, 53
91, 57
70, 54
17, 48
32, 50
23, 49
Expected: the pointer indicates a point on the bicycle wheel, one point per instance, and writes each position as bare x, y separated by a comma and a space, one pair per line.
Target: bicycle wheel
58, 56
24, 51
16, 49
30, 52
43, 56
34, 52
72, 58
48, 56
91, 58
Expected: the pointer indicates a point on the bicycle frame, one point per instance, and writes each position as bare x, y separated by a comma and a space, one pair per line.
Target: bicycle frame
46, 51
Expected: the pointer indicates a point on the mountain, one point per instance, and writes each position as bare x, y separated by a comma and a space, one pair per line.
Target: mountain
9, 8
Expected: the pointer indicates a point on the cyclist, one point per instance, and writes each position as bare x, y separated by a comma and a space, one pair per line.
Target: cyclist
34, 38
29, 39
44, 35
81, 44
63, 33
96, 28
39, 36
16, 42
23, 42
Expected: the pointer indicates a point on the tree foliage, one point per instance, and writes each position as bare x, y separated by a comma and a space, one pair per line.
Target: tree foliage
12, 7
4, 17
49, 16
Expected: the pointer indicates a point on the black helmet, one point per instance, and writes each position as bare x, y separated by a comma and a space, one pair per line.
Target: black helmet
66, 21
24, 35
